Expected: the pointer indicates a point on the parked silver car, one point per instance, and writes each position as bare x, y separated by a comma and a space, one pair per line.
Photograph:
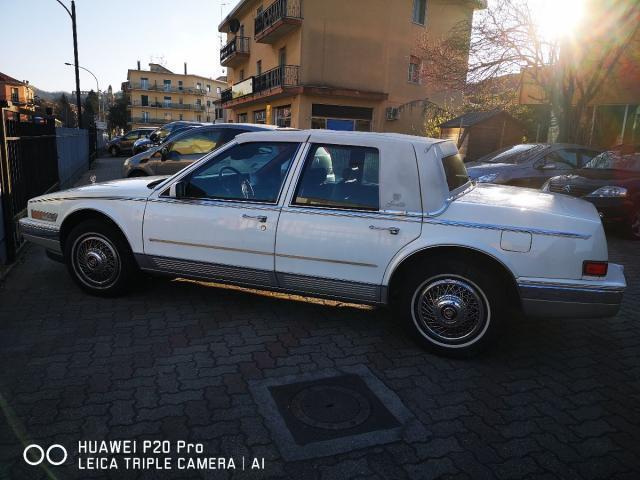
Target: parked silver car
185, 148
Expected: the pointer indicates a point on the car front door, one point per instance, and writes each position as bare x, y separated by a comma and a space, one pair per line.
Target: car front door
185, 150
223, 225
126, 142
558, 162
352, 209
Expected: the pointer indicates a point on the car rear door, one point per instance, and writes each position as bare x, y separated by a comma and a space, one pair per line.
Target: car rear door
349, 210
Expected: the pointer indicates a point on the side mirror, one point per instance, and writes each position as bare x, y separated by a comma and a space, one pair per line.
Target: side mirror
181, 189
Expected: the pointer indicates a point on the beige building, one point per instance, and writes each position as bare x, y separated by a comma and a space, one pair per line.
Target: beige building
344, 65
158, 96
15, 95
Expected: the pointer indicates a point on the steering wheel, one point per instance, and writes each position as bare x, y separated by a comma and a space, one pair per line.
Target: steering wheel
245, 185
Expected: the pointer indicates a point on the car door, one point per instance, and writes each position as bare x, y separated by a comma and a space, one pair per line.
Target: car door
126, 142
223, 227
186, 149
560, 161
352, 208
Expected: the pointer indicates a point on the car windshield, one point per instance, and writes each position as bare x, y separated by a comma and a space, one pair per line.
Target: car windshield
615, 161
515, 154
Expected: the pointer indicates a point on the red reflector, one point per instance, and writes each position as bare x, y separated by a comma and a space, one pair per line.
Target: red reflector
595, 269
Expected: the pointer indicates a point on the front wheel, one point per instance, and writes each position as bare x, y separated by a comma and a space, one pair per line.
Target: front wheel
99, 259
451, 307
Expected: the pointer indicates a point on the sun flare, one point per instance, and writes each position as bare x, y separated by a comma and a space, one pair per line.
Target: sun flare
557, 18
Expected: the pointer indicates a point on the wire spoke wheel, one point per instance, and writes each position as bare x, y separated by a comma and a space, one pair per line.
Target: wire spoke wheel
451, 310
95, 261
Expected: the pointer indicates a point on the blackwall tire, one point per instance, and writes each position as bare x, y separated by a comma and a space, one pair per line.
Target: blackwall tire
99, 259
451, 307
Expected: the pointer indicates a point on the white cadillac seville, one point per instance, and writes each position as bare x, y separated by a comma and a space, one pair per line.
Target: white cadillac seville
363, 217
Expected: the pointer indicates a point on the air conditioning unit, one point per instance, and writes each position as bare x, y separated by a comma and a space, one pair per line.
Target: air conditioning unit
393, 113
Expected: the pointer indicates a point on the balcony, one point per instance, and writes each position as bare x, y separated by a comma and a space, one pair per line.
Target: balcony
167, 89
150, 121
280, 18
234, 52
279, 81
176, 106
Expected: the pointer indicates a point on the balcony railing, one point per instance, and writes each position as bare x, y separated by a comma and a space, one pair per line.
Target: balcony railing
177, 106
239, 46
151, 121
278, 13
167, 89
279, 77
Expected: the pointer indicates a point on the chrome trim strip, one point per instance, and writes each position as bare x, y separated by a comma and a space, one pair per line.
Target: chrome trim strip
572, 286
451, 199
133, 199
397, 216
212, 247
328, 286
327, 260
46, 236
571, 294
210, 202
487, 226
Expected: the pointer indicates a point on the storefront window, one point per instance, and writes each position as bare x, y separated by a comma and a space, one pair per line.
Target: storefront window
319, 123
260, 117
283, 116
242, 118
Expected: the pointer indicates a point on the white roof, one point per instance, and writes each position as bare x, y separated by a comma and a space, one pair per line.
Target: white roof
332, 136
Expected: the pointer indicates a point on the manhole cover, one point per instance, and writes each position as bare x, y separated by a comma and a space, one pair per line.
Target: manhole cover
331, 407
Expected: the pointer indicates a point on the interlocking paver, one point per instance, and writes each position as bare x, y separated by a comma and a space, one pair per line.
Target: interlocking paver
172, 360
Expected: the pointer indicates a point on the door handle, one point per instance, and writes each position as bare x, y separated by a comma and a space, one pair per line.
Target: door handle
391, 230
259, 218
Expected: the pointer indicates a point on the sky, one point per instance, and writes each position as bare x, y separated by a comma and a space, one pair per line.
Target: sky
112, 36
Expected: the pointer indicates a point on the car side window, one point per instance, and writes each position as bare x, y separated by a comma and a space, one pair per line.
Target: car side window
248, 171
587, 155
336, 176
563, 159
197, 144
131, 135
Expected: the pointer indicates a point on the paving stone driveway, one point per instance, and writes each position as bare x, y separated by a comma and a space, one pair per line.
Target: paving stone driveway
173, 361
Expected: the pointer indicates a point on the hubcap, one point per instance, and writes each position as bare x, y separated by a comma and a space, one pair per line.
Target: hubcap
450, 310
96, 261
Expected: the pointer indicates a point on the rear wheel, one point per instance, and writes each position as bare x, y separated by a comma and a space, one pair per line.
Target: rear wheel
99, 259
452, 307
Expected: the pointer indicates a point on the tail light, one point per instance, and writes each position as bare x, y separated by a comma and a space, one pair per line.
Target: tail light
595, 269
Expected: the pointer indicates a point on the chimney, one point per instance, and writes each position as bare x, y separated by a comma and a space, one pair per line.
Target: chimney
138, 64
185, 68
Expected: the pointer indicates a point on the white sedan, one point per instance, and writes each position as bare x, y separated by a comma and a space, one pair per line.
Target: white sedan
363, 217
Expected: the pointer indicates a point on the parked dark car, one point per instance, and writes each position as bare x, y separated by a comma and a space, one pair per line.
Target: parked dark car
184, 148
144, 143
124, 145
611, 181
530, 165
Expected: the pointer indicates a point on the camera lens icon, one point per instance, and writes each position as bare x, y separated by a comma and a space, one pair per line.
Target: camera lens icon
41, 454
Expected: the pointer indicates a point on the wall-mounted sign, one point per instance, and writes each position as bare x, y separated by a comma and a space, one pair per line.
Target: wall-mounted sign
243, 88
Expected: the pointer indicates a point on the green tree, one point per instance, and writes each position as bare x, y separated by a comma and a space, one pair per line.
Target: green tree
64, 112
117, 117
89, 109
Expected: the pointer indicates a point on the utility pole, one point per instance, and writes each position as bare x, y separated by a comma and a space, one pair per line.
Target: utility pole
72, 14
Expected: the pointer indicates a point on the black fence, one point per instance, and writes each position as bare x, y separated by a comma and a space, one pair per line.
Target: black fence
28, 168
93, 143
278, 10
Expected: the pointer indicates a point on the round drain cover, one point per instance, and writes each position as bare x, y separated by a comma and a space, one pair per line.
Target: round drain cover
331, 407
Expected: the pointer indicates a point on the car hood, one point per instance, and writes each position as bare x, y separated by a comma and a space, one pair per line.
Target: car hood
131, 188
476, 169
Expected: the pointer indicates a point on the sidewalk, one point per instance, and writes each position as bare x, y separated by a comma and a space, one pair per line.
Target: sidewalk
103, 169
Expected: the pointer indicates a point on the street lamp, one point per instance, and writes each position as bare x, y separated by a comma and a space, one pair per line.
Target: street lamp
72, 14
97, 85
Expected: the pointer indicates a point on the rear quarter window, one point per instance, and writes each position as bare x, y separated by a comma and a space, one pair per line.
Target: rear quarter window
455, 171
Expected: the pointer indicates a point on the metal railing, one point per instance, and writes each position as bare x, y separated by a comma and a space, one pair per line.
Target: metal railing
151, 121
278, 10
237, 45
167, 89
176, 106
282, 76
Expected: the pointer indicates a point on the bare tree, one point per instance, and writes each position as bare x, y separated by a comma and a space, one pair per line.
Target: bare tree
504, 52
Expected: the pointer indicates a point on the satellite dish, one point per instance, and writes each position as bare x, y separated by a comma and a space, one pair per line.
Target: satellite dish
234, 25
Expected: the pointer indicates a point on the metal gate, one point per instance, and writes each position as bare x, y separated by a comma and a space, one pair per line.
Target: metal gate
28, 168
